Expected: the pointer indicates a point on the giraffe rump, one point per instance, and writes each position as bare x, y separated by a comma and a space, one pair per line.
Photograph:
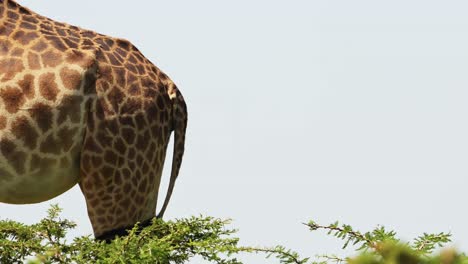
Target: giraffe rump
80, 107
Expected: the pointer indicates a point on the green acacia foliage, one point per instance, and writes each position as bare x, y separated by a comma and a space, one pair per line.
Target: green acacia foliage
180, 240
174, 241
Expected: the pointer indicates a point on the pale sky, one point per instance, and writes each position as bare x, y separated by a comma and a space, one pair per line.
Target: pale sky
354, 111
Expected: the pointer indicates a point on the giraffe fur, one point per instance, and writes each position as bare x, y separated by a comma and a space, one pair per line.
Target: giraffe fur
79, 107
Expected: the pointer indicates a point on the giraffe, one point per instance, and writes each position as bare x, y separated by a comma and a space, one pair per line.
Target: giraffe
79, 107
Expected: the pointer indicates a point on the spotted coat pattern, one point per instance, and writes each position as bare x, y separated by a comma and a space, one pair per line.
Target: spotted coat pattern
80, 107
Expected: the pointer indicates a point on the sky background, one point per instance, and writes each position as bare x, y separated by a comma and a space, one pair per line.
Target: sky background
354, 111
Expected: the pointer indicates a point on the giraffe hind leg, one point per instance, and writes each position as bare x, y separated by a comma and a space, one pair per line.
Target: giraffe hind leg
120, 173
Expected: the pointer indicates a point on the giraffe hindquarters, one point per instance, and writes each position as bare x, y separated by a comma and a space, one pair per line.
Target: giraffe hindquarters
121, 167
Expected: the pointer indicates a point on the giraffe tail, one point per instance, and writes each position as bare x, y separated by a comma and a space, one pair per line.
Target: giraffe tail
179, 119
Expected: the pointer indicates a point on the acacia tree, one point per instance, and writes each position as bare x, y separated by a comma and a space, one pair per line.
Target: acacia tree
210, 238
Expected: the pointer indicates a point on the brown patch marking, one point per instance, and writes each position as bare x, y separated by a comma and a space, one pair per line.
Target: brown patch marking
3, 122
10, 67
27, 85
24, 131
51, 59
34, 61
13, 98
48, 87
42, 115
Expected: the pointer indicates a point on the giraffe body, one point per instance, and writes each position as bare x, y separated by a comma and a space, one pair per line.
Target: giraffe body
40, 151
80, 107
